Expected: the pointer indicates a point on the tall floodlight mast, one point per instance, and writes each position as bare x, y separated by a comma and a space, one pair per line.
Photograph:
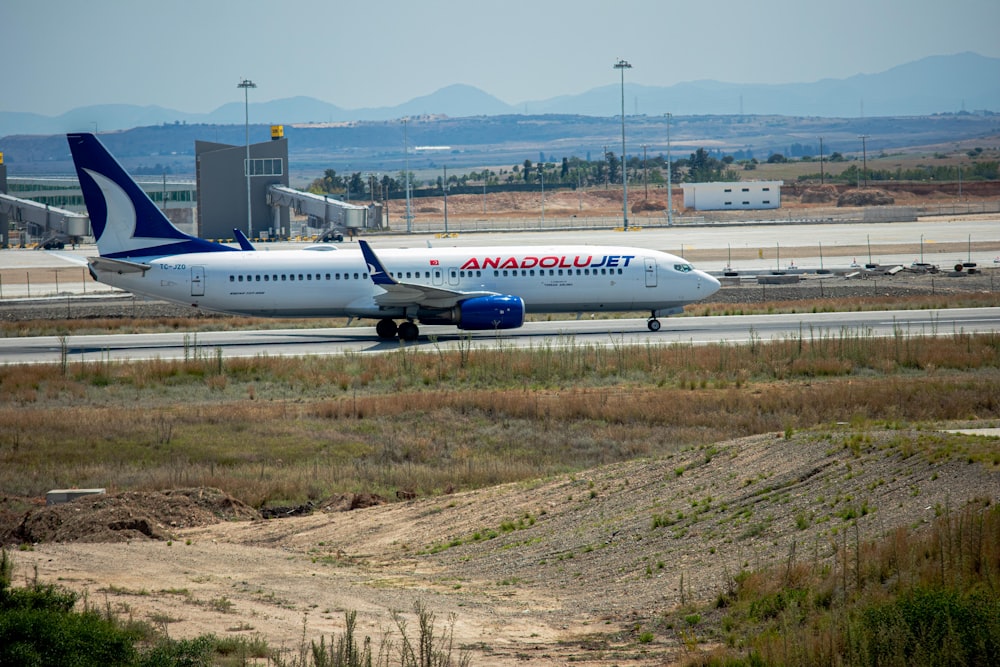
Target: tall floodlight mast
622, 65
246, 85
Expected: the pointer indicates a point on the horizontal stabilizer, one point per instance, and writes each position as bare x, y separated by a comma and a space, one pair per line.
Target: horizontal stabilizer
117, 265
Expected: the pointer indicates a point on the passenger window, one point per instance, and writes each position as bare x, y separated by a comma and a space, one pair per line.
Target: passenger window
232, 279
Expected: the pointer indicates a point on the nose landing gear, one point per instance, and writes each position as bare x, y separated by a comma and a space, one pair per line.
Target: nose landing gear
653, 324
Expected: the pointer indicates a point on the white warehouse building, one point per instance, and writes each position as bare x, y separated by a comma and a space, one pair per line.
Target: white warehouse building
741, 195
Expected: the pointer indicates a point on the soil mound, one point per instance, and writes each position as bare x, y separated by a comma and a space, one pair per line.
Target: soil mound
128, 516
819, 195
647, 205
866, 198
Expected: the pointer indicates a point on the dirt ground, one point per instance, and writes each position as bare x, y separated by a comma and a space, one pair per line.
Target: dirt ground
569, 569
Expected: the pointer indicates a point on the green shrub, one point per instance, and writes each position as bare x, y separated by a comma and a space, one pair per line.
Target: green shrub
929, 627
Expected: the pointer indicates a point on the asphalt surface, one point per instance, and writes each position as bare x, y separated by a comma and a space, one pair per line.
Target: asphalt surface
537, 335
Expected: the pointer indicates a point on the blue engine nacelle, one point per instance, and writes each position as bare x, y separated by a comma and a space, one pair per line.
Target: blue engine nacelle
491, 312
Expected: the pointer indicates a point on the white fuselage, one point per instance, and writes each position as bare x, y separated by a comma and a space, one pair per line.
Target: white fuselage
324, 281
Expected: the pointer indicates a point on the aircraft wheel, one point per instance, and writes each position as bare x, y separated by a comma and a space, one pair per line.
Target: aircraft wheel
386, 329
408, 331
654, 325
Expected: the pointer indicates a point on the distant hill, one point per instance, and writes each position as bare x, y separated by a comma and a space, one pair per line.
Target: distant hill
936, 84
503, 141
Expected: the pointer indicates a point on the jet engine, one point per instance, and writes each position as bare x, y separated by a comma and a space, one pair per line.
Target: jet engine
482, 313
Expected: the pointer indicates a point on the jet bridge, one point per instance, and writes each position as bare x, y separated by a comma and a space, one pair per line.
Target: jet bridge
323, 211
53, 227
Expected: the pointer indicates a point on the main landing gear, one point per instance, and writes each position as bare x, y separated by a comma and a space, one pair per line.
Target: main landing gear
387, 330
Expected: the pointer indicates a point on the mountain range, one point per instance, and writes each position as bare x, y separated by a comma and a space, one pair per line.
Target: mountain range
936, 84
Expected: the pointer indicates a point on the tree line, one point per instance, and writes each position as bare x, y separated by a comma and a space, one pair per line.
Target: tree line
574, 172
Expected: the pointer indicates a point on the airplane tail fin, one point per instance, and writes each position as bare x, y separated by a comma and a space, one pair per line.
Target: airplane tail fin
125, 220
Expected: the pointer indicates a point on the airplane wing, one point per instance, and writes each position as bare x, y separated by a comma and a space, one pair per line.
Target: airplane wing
405, 294
117, 265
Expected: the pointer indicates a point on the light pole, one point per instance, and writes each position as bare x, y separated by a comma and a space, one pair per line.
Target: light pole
246, 85
623, 65
444, 188
670, 187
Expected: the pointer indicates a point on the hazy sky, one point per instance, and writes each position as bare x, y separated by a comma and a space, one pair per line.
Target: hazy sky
190, 54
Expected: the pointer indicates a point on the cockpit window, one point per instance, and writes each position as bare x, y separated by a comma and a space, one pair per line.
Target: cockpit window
683, 268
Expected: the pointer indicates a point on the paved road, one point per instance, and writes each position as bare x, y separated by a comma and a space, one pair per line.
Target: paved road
608, 333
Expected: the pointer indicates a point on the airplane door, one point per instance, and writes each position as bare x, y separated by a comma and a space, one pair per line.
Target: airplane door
650, 272
197, 281
453, 276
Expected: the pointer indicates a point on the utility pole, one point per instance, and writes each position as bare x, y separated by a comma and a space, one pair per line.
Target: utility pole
541, 177
864, 156
444, 187
821, 160
406, 168
645, 183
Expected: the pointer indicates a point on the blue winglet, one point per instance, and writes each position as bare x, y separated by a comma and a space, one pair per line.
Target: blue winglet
242, 239
378, 273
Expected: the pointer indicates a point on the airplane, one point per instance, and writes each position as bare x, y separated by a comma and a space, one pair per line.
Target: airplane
471, 288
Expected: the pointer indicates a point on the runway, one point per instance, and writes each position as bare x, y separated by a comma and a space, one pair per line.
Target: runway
534, 335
